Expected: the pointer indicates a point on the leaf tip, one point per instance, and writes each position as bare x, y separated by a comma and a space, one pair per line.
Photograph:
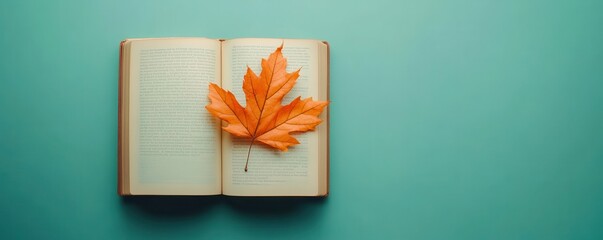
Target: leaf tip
213, 85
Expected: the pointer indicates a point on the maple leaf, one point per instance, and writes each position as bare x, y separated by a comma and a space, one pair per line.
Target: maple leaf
264, 119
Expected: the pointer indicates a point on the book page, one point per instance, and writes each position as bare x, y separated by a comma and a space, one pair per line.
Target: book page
271, 172
174, 141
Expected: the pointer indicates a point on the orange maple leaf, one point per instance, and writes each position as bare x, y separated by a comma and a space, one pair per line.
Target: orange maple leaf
264, 118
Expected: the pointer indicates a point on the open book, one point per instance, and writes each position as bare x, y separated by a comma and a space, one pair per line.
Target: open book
169, 144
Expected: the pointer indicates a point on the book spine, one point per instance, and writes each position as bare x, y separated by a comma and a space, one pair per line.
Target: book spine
120, 126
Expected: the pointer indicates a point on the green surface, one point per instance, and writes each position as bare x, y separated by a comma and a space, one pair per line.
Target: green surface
450, 120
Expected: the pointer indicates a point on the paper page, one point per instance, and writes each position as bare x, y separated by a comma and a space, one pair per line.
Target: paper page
270, 172
175, 142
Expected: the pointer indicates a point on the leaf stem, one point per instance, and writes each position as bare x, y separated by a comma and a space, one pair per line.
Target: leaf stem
248, 152
261, 112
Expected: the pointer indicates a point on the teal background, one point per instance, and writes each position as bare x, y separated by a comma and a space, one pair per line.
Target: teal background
459, 119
